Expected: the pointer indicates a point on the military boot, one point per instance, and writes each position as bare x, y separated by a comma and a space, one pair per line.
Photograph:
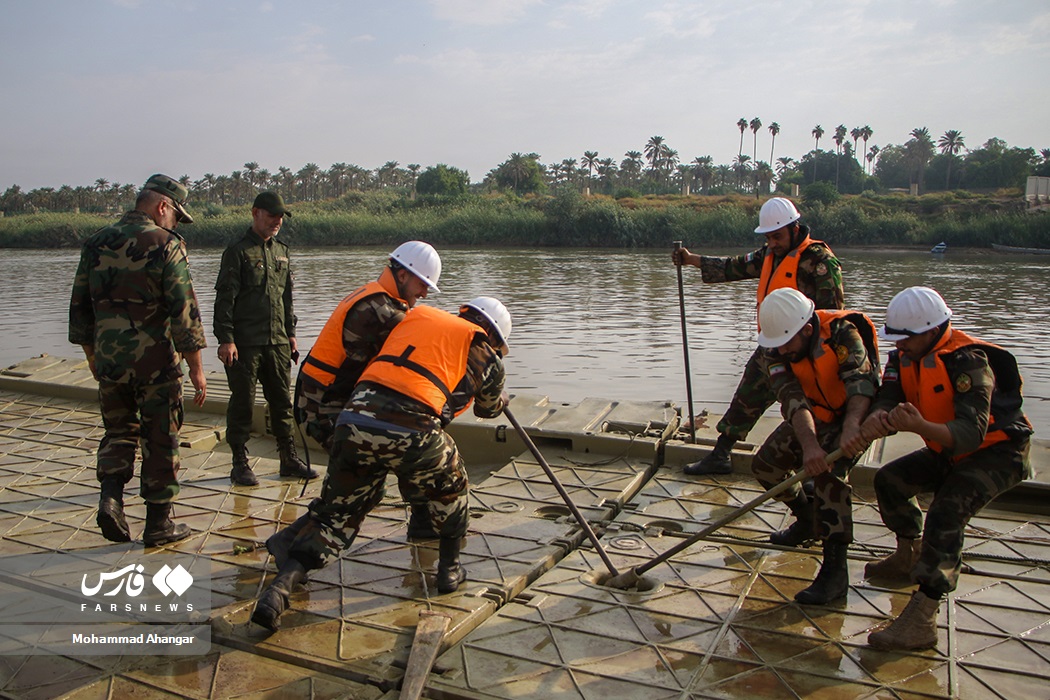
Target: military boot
832, 581
279, 543
897, 566
915, 628
718, 461
420, 527
801, 530
274, 600
242, 474
159, 527
450, 573
291, 465
111, 511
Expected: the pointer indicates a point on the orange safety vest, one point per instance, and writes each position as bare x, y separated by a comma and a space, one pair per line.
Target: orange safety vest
819, 376
425, 357
928, 387
785, 274
327, 359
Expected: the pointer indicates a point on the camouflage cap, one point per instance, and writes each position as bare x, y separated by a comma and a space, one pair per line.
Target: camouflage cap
175, 190
271, 202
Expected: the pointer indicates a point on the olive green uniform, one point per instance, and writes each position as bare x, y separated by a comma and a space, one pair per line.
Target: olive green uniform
960, 488
253, 308
819, 278
781, 453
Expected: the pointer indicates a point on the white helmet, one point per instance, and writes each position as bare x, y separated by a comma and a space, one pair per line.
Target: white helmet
496, 314
783, 314
776, 213
914, 310
421, 260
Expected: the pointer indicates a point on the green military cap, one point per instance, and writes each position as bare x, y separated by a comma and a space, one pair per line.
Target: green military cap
175, 190
271, 202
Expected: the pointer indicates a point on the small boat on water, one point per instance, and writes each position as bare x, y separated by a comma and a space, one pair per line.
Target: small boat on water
939, 248
1024, 251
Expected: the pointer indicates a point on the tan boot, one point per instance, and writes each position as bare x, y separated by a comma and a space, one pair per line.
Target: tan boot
897, 566
915, 628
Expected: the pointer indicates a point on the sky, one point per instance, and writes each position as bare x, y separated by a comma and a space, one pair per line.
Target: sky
121, 89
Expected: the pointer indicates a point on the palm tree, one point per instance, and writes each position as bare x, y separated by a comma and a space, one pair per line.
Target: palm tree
742, 125
873, 153
653, 150
702, 171
784, 163
918, 151
249, 172
589, 161
865, 134
740, 167
855, 134
840, 136
763, 175
774, 129
756, 124
817, 132
631, 166
950, 144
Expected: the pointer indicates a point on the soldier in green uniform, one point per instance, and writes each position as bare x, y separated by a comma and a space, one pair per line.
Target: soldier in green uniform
790, 258
825, 373
255, 326
432, 366
134, 312
962, 396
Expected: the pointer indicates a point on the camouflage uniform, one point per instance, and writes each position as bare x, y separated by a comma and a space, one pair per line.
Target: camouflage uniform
366, 326
382, 430
819, 278
253, 308
781, 454
960, 488
133, 301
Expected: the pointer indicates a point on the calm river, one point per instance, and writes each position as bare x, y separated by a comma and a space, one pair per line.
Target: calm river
596, 323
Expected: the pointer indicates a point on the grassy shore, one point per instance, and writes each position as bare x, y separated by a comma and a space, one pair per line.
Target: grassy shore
569, 219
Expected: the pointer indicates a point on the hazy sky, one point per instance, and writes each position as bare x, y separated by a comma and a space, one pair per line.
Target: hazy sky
120, 89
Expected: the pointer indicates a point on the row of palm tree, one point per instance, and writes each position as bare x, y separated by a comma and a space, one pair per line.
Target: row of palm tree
656, 167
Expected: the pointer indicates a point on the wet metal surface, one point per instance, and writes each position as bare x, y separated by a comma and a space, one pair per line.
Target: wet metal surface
532, 619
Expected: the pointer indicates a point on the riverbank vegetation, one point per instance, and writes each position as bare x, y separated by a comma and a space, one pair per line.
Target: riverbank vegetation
569, 218
906, 194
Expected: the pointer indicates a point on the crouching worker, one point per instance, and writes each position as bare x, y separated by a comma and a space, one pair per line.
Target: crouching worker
962, 396
825, 374
430, 369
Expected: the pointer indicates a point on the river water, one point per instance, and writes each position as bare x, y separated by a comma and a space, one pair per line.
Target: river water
596, 323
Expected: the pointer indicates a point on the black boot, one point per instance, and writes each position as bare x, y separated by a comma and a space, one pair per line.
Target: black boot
291, 465
274, 600
801, 530
449, 573
278, 544
420, 526
242, 474
719, 461
832, 581
159, 527
111, 511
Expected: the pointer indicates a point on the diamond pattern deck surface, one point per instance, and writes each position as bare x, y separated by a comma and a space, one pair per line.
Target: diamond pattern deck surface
531, 621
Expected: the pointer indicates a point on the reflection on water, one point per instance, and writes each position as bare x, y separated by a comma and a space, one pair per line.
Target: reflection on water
599, 323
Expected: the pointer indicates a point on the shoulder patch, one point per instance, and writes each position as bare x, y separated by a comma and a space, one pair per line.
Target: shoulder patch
822, 269
842, 353
777, 368
963, 383
749, 257
890, 375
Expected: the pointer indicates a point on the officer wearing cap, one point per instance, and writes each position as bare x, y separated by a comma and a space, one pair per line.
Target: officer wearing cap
255, 326
134, 312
